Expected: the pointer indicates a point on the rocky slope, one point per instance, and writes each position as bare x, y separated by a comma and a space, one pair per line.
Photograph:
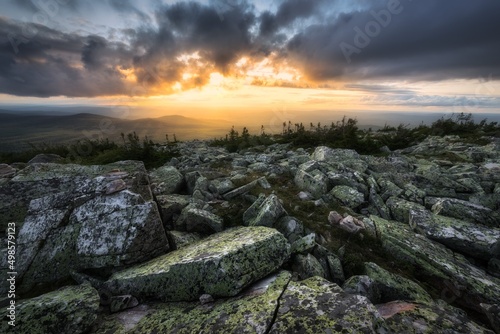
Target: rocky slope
268, 240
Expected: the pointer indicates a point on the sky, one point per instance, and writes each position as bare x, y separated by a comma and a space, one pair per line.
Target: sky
250, 59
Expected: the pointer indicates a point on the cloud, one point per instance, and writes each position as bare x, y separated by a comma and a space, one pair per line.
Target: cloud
150, 47
419, 40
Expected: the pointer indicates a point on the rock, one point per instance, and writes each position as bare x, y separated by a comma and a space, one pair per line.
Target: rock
166, 180
307, 266
221, 265
318, 306
362, 285
351, 225
404, 317
290, 227
268, 211
459, 281
468, 211
331, 264
315, 182
347, 196
464, 237
394, 287
206, 299
115, 186
179, 239
71, 309
388, 189
221, 186
197, 220
46, 158
379, 204
304, 196
493, 314
120, 303
250, 313
400, 209
334, 217
305, 244
241, 190
170, 206
67, 231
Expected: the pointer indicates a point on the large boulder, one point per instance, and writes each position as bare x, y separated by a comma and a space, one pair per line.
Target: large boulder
347, 196
252, 312
101, 218
467, 238
72, 309
315, 182
197, 220
451, 273
468, 211
221, 265
316, 305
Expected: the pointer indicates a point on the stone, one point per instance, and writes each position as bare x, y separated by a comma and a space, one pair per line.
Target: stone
362, 285
249, 313
197, 220
394, 287
290, 227
241, 190
318, 306
72, 309
221, 186
467, 238
351, 225
334, 217
221, 265
206, 299
315, 182
494, 267
171, 206
347, 196
379, 204
267, 212
6, 171
180, 239
405, 317
120, 303
166, 180
400, 209
307, 266
467, 211
331, 264
451, 273
304, 244
115, 186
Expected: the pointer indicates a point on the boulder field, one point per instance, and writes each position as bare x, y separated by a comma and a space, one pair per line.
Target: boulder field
265, 240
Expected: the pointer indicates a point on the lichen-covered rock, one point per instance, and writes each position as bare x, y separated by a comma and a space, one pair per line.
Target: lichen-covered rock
197, 220
290, 227
307, 266
468, 211
458, 280
394, 287
331, 264
221, 265
304, 244
166, 180
180, 239
318, 306
71, 309
405, 317
251, 313
467, 238
171, 206
362, 285
120, 303
493, 314
347, 196
221, 186
400, 209
314, 182
267, 212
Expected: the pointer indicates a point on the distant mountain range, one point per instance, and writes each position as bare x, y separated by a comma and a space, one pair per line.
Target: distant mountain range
17, 130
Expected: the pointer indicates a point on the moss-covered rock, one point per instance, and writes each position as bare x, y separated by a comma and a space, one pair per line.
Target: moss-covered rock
71, 309
458, 280
166, 180
221, 265
265, 212
400, 208
347, 196
318, 306
468, 211
251, 312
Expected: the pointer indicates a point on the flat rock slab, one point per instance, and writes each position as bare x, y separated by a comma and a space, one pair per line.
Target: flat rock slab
71, 309
221, 265
316, 305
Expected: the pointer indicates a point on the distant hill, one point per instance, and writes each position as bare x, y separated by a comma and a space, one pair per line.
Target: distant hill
18, 130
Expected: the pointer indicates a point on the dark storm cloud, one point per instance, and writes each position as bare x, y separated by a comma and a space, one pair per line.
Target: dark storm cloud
39, 61
419, 40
